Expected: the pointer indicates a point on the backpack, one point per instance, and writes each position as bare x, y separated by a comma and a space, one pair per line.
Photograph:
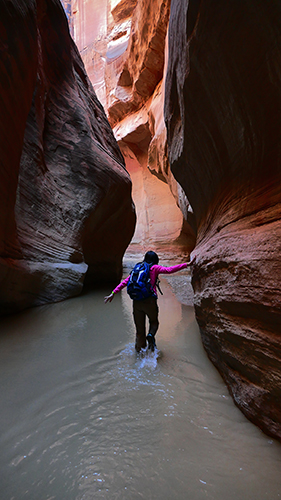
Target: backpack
139, 285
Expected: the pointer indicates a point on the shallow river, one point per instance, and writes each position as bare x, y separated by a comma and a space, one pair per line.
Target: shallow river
83, 418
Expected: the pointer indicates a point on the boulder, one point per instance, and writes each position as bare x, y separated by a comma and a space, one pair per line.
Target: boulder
223, 117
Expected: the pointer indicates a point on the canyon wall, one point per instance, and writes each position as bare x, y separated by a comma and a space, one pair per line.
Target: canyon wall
67, 215
222, 113
124, 52
223, 116
65, 193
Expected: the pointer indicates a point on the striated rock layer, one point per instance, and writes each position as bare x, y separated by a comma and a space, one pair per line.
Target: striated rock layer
142, 68
124, 50
65, 193
122, 44
223, 114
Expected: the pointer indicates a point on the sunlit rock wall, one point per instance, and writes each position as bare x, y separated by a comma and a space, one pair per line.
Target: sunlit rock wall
142, 69
223, 113
126, 66
66, 209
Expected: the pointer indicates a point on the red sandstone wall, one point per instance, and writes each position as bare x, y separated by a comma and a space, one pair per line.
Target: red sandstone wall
223, 114
126, 67
62, 175
65, 194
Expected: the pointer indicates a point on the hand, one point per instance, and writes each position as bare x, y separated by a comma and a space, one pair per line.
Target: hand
109, 298
191, 261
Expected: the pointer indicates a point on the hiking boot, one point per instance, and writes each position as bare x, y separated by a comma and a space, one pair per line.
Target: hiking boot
151, 341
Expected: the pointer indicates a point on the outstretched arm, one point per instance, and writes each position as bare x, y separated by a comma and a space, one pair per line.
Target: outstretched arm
119, 287
157, 269
109, 298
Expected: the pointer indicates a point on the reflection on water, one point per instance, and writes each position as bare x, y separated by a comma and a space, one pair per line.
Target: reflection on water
83, 417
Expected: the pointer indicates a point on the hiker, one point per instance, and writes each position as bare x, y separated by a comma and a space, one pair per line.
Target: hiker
141, 286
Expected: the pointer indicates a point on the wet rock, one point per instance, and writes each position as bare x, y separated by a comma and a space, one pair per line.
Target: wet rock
65, 193
223, 117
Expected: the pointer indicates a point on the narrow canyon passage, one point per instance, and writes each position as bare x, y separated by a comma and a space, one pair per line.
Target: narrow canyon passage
190, 90
159, 219
82, 417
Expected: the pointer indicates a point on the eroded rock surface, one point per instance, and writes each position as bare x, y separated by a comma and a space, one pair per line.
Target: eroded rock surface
65, 193
143, 68
223, 115
127, 69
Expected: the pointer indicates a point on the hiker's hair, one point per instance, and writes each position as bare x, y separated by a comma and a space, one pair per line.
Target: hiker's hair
151, 257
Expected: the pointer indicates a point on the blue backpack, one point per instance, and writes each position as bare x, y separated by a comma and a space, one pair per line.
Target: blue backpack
139, 285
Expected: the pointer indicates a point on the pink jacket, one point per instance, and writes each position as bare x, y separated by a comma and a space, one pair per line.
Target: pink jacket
155, 270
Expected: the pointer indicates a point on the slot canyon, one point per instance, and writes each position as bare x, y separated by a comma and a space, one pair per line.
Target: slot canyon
136, 123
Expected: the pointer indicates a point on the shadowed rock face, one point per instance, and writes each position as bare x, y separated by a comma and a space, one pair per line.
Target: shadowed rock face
223, 114
65, 194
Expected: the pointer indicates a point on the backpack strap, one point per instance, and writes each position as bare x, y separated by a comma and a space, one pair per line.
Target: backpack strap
158, 285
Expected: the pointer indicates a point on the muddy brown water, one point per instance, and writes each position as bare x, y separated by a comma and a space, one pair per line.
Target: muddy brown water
83, 418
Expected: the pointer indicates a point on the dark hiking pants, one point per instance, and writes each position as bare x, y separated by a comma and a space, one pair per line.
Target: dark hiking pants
141, 309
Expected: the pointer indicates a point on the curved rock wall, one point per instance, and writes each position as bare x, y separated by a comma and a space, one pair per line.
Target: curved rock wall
65, 192
126, 67
223, 115
143, 68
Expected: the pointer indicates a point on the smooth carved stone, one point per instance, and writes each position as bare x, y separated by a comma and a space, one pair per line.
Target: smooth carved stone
144, 132
127, 69
158, 164
223, 117
66, 195
144, 63
159, 219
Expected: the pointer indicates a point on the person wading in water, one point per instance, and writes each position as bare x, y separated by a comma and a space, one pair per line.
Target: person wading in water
141, 286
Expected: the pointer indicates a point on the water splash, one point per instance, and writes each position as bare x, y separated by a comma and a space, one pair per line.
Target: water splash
148, 358
139, 369
144, 360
